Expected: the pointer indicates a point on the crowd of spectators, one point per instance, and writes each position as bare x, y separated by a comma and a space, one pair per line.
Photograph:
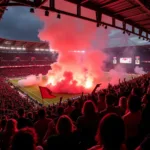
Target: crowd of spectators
11, 99
26, 62
24, 71
116, 118
26, 58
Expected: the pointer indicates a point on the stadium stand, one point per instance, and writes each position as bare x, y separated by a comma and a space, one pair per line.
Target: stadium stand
25, 56
115, 118
74, 124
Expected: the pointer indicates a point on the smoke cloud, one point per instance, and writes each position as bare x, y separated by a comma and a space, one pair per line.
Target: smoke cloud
79, 44
139, 70
33, 80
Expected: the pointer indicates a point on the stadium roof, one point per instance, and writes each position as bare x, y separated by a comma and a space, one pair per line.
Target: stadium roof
133, 12
26, 44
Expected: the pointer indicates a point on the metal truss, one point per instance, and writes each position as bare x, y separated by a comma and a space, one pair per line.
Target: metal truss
39, 4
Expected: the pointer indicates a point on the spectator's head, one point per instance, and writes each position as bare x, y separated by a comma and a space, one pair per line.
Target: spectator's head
69, 102
11, 126
60, 110
111, 132
64, 125
24, 139
15, 116
21, 112
49, 113
135, 91
123, 102
109, 100
30, 115
42, 113
102, 96
76, 104
134, 103
89, 108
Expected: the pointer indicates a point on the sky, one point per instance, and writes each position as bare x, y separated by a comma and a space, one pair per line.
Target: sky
19, 24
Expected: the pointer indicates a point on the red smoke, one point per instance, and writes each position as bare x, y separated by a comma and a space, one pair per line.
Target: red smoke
74, 72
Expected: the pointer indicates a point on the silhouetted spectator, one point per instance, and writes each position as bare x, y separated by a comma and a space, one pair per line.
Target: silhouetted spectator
110, 108
65, 139
22, 121
132, 121
145, 145
122, 105
145, 123
69, 108
3, 123
60, 112
24, 139
30, 116
87, 124
76, 112
110, 134
101, 102
10, 130
41, 125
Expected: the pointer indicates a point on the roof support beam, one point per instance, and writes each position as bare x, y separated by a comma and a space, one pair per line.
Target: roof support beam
109, 3
141, 20
127, 9
42, 3
79, 10
145, 24
98, 18
113, 21
95, 8
134, 16
52, 4
84, 1
133, 29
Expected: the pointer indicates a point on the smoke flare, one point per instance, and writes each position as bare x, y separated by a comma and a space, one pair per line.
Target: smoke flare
79, 44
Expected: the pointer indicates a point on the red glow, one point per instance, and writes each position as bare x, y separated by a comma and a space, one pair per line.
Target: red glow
73, 72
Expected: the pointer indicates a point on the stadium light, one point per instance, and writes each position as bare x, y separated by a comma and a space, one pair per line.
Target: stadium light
46, 13
12, 47
19, 48
58, 16
31, 10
